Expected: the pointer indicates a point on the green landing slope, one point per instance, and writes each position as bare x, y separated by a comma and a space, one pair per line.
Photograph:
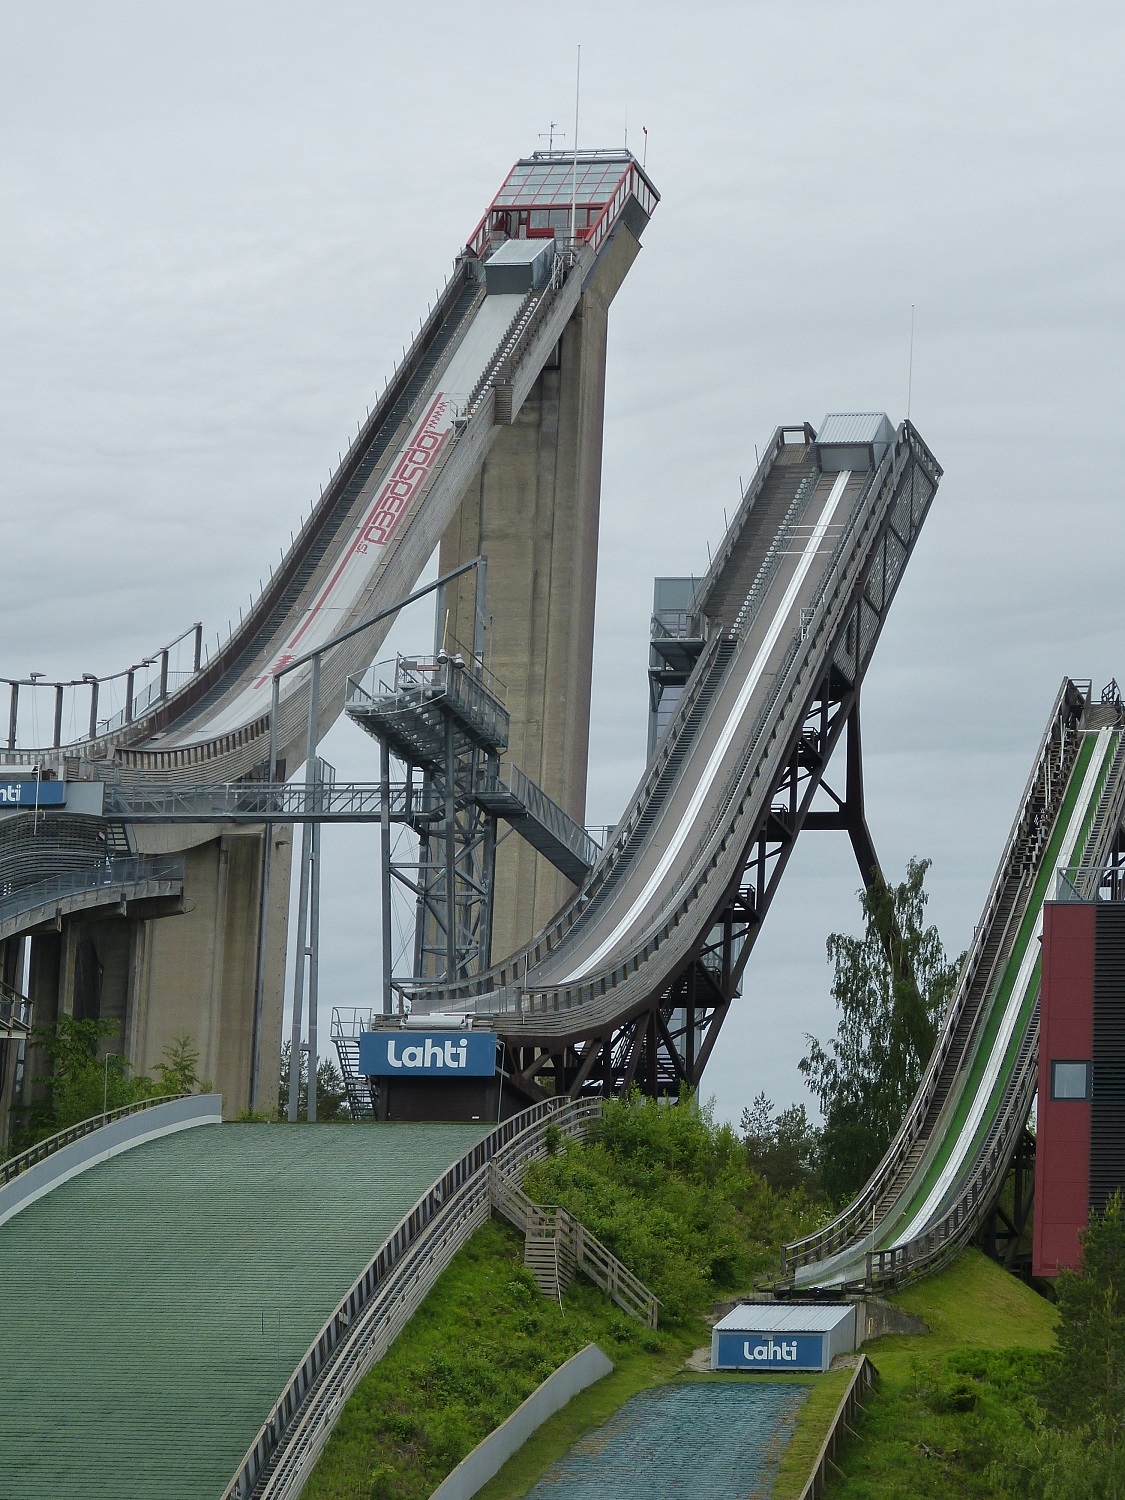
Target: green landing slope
152, 1308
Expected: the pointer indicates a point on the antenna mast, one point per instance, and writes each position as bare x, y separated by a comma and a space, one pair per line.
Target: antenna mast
574, 169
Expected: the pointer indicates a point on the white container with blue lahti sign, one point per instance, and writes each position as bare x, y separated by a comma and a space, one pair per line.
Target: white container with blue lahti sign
782, 1336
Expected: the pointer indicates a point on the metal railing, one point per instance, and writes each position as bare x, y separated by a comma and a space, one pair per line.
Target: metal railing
15, 1165
130, 870
152, 704
472, 693
15, 1009
712, 846
927, 1252
778, 549
267, 802
1054, 748
750, 495
136, 702
384, 1297
865, 1378
545, 811
578, 1243
1096, 882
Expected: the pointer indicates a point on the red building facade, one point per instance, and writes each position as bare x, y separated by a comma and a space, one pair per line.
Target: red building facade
1062, 1136
1080, 1134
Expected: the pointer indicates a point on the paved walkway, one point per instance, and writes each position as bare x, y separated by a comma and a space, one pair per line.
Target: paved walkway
702, 1440
151, 1309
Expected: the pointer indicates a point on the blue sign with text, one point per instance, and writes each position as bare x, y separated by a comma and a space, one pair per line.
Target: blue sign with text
770, 1351
32, 793
427, 1054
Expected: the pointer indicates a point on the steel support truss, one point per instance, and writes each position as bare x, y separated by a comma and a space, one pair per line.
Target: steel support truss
452, 879
1005, 1232
663, 1048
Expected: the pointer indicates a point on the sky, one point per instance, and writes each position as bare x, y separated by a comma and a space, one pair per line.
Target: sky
220, 223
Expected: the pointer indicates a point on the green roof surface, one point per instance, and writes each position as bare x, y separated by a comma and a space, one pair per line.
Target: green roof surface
152, 1308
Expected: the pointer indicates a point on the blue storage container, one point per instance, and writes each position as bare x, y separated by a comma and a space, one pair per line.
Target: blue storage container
782, 1336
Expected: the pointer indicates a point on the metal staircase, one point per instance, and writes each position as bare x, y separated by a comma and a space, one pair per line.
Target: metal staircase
540, 821
346, 1027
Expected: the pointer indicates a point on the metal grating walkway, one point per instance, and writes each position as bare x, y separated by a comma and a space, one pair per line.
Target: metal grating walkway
159, 1301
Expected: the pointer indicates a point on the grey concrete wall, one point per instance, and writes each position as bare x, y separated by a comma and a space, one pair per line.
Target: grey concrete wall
195, 974
490, 1456
533, 510
110, 1140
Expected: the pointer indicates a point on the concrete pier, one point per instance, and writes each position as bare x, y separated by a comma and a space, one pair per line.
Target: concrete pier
533, 511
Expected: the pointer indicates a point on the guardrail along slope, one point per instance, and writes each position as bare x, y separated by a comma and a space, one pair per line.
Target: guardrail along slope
365, 543
947, 1163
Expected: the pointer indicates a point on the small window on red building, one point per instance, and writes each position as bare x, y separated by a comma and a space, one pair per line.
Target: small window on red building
1070, 1080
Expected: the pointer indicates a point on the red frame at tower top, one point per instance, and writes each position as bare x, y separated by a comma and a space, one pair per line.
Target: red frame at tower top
535, 198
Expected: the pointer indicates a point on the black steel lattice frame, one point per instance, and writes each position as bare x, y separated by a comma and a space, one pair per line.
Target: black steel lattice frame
456, 866
663, 1043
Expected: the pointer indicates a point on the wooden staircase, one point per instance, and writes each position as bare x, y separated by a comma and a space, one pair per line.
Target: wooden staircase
557, 1246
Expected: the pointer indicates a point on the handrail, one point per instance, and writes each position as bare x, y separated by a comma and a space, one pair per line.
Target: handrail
15, 1165
745, 508
130, 869
545, 810
500, 989
835, 583
15, 1007
929, 1250
212, 666
865, 1377
598, 1262
845, 1226
382, 1299
748, 612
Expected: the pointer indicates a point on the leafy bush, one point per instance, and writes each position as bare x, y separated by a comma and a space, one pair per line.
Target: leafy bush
83, 1084
672, 1194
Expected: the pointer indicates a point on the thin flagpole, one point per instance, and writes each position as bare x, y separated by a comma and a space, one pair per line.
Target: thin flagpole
574, 169
910, 367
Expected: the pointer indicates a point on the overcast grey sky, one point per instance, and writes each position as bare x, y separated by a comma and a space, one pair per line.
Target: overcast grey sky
219, 222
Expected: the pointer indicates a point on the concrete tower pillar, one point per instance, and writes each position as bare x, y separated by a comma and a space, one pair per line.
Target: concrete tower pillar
194, 974
533, 511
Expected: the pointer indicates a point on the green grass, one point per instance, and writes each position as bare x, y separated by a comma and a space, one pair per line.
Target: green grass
589, 1409
922, 1434
670, 1193
813, 1422
482, 1341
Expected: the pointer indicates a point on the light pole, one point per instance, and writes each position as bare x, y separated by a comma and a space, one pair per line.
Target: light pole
105, 1085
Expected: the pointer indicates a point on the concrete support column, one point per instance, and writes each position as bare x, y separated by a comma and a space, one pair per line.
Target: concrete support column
195, 974
533, 511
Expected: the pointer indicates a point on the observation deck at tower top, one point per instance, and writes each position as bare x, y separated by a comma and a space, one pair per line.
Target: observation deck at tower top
535, 200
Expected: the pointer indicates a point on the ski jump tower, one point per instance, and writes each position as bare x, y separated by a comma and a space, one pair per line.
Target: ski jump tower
154, 883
